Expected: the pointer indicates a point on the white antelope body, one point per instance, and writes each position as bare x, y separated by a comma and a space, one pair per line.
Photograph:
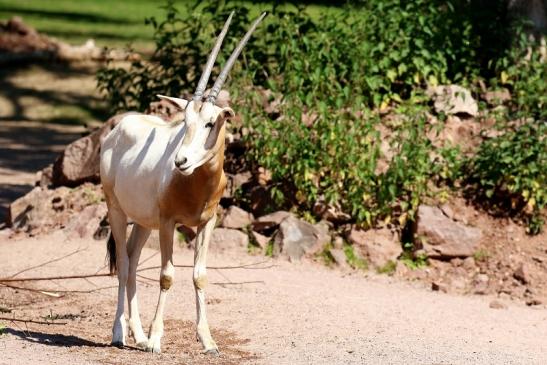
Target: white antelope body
160, 174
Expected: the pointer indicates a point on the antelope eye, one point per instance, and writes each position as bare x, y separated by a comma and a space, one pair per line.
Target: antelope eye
209, 125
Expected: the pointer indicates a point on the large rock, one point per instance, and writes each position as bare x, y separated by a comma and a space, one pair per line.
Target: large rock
379, 246
226, 239
453, 99
79, 162
85, 223
42, 210
269, 222
297, 238
444, 238
236, 217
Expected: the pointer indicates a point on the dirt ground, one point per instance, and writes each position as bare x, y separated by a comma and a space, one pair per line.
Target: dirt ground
275, 313
42, 109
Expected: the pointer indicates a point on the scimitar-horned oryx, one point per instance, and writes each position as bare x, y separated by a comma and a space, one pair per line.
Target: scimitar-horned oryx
158, 175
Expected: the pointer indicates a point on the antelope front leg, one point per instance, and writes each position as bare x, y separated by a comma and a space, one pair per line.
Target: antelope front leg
166, 280
200, 281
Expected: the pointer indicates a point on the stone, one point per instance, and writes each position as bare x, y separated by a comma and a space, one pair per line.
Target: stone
260, 240
496, 304
380, 246
340, 259
338, 242
34, 211
522, 274
79, 162
480, 284
84, 224
439, 286
226, 239
296, 238
453, 99
270, 221
241, 178
469, 263
42, 210
497, 97
331, 213
236, 217
444, 238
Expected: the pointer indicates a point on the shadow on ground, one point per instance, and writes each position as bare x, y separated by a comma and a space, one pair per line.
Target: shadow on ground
42, 109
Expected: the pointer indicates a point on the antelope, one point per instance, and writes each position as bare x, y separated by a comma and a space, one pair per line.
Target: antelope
160, 174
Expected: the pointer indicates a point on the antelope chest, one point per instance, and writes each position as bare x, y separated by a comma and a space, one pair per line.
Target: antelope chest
192, 200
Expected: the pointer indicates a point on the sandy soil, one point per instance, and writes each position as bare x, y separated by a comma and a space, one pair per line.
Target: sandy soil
289, 314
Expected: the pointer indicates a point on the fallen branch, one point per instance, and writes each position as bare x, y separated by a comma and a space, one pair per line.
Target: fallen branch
54, 293
240, 282
47, 262
30, 321
68, 277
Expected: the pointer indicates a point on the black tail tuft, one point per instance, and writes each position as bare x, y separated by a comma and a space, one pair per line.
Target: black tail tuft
111, 253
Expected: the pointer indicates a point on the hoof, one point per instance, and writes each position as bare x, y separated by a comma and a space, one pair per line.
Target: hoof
117, 344
153, 348
142, 345
212, 352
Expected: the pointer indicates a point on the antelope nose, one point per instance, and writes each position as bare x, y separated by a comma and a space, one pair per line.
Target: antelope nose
181, 162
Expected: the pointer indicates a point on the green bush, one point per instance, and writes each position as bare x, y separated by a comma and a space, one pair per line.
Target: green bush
509, 173
336, 76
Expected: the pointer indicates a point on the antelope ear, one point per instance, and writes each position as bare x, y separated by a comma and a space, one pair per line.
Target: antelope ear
179, 103
226, 113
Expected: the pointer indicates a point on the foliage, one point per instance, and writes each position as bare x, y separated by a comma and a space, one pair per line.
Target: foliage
509, 172
335, 78
354, 260
389, 268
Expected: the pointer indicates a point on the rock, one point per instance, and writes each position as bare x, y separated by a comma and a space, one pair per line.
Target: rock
226, 239
241, 178
496, 304
457, 132
85, 223
42, 210
497, 97
79, 162
444, 238
236, 217
522, 274
338, 242
331, 213
480, 284
270, 221
264, 176
339, 258
297, 238
260, 240
439, 286
378, 245
44, 177
469, 263
453, 99
35, 210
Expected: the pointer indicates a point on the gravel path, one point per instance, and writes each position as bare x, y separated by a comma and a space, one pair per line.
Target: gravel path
294, 314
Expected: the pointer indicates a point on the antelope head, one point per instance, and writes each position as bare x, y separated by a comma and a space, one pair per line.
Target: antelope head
204, 120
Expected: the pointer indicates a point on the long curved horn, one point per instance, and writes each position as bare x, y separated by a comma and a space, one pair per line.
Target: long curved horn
224, 73
202, 84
